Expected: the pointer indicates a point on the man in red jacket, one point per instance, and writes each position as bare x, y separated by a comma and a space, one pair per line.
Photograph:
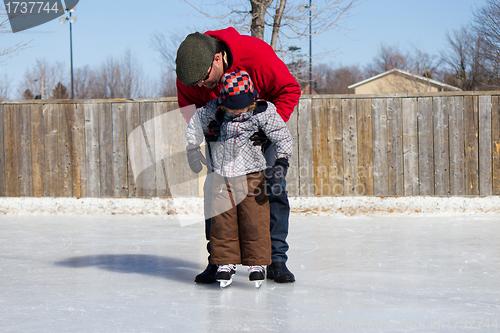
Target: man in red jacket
201, 61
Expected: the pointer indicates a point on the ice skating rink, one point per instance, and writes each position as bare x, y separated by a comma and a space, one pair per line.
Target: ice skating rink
135, 274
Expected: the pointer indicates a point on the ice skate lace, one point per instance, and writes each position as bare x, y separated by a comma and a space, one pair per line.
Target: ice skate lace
226, 268
252, 269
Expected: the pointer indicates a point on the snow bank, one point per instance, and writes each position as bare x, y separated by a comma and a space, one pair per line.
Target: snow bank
397, 206
322, 206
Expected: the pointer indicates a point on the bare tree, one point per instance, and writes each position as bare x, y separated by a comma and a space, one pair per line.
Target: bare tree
5, 84
118, 78
168, 87
295, 19
459, 56
84, 79
328, 80
388, 57
115, 78
12, 49
422, 63
487, 27
284, 17
42, 78
132, 77
416, 62
107, 80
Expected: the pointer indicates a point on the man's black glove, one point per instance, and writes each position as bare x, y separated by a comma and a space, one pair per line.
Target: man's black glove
259, 138
277, 173
214, 126
195, 158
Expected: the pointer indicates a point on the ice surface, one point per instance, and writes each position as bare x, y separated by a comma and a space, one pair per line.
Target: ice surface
135, 274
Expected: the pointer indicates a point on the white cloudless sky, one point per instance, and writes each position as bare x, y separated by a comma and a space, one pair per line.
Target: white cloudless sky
108, 28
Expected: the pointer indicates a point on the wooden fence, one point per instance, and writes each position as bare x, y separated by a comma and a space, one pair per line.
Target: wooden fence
344, 145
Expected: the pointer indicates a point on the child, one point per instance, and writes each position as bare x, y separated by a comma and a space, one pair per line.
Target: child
239, 233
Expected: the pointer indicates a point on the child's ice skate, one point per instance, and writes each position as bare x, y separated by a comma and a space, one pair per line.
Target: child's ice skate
256, 274
225, 274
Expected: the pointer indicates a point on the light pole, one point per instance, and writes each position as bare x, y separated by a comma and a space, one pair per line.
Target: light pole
311, 8
71, 19
42, 86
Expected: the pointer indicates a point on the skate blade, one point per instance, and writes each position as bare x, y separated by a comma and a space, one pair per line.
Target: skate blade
225, 283
258, 284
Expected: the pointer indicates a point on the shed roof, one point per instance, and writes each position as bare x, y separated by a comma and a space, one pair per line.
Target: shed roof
418, 77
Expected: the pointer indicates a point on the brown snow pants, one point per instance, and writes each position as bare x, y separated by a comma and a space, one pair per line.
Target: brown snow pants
239, 233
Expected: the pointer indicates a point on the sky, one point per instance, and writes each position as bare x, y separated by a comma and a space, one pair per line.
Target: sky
107, 29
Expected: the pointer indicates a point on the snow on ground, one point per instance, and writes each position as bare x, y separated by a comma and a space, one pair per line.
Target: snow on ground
300, 206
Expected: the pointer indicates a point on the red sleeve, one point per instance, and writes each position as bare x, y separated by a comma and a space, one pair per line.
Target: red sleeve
285, 95
271, 76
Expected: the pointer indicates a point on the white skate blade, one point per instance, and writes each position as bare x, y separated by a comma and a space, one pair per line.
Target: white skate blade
225, 283
258, 284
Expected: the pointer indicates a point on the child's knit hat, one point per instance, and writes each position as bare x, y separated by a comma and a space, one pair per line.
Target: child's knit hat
237, 90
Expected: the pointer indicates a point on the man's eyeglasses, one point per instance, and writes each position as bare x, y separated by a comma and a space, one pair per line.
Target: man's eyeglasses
209, 72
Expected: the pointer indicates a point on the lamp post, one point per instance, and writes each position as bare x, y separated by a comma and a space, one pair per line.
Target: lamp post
311, 8
42, 86
71, 19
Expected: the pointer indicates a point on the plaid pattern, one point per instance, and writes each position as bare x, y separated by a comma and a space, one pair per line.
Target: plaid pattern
234, 153
234, 84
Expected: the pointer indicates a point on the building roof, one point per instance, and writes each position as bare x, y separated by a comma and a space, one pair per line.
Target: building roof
418, 77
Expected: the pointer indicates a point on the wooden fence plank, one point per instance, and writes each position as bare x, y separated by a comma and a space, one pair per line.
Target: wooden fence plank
37, 150
305, 143
132, 121
106, 149
52, 185
495, 137
24, 129
335, 146
292, 177
485, 152
410, 146
425, 146
146, 113
441, 146
395, 146
179, 149
456, 141
76, 123
165, 136
65, 148
365, 146
471, 124
120, 183
350, 153
92, 154
170, 142
316, 145
11, 143
320, 148
176, 133
380, 162
2, 151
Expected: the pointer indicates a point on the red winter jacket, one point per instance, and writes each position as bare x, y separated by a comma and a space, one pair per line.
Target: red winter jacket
269, 74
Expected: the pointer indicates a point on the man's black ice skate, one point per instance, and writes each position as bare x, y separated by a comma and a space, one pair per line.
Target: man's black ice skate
225, 275
278, 272
208, 275
256, 274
